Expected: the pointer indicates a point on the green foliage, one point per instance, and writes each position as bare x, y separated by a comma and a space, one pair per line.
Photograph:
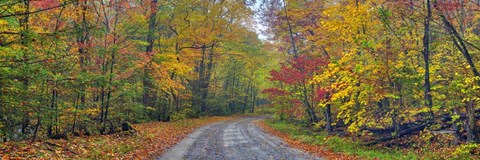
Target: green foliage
184, 114
465, 151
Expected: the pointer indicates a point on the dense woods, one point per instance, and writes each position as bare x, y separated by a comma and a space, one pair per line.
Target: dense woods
373, 70
70, 67
381, 68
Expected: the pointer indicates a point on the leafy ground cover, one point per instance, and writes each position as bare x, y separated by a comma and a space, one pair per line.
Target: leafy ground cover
327, 146
150, 140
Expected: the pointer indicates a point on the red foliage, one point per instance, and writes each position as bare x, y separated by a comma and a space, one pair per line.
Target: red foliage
298, 70
448, 6
296, 102
44, 4
407, 3
296, 109
322, 94
275, 92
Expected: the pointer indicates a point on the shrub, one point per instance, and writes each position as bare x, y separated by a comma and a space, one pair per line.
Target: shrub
184, 114
465, 151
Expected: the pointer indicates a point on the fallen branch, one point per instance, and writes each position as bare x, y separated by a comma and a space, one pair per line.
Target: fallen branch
398, 135
388, 130
443, 132
463, 116
52, 144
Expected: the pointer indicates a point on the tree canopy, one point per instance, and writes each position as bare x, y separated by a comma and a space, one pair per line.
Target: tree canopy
359, 67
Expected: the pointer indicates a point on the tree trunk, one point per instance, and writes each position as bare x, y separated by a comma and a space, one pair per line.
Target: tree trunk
230, 91
456, 128
149, 95
254, 99
37, 126
52, 106
75, 103
313, 117
426, 54
112, 65
459, 43
290, 31
206, 80
245, 98
328, 118
82, 38
471, 127
395, 120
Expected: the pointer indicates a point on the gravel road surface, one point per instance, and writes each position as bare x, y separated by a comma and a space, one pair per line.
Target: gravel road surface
236, 139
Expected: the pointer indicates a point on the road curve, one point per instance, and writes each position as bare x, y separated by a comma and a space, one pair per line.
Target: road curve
235, 139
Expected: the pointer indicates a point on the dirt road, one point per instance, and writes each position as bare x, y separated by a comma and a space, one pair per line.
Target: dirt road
237, 139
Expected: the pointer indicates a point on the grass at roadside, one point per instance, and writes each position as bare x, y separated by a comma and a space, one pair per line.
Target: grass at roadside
149, 142
327, 146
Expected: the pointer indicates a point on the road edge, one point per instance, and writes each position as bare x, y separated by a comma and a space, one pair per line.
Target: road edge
315, 150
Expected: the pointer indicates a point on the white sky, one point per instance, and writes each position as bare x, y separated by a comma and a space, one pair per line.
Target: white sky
258, 27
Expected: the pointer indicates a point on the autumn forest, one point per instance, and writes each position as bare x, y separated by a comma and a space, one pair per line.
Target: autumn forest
340, 79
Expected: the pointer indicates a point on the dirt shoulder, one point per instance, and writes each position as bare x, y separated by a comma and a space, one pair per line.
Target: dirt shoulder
313, 149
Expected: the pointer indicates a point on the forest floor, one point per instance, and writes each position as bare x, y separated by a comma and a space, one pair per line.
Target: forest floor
238, 139
150, 141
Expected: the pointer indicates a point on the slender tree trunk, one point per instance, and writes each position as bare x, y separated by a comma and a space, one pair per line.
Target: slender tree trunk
52, 106
395, 120
460, 44
456, 128
102, 99
25, 124
290, 31
328, 118
75, 103
254, 99
176, 101
310, 110
231, 92
225, 88
109, 92
203, 85
149, 95
471, 128
103, 95
206, 79
37, 126
25, 41
426, 54
151, 25
245, 98
83, 39
112, 65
